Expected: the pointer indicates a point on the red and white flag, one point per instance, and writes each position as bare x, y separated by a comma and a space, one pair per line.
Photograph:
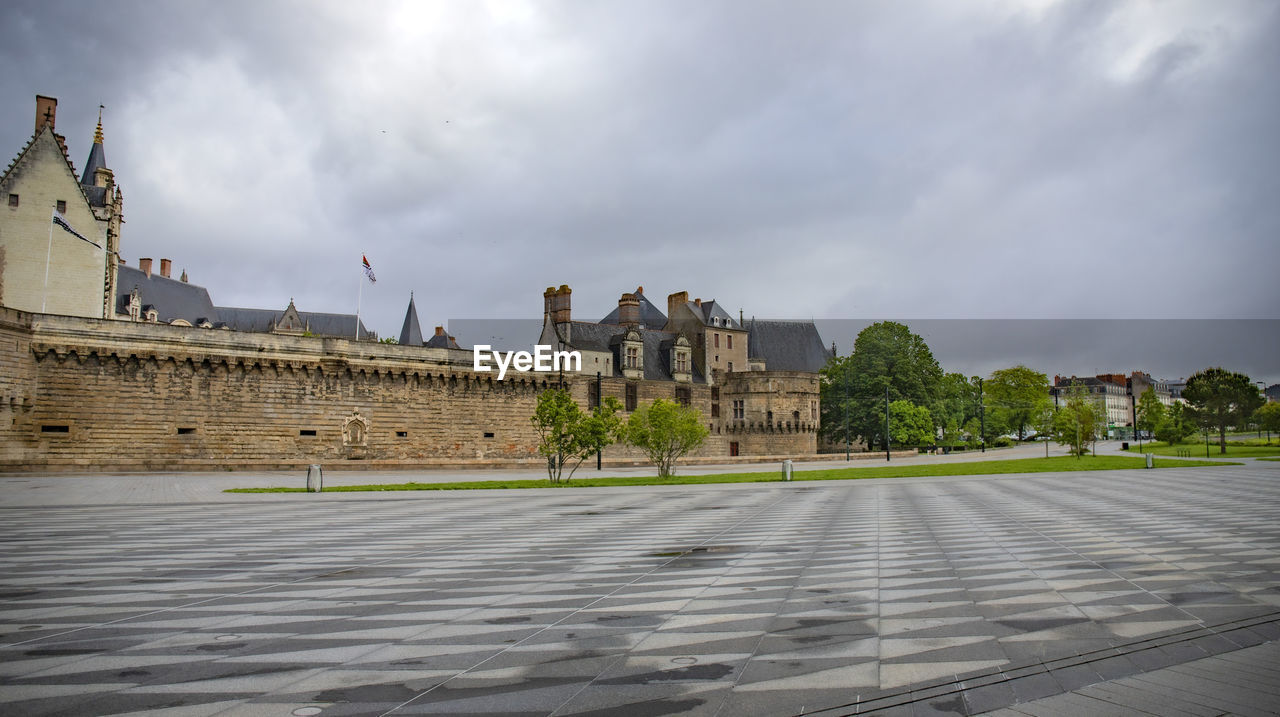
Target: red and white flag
368, 270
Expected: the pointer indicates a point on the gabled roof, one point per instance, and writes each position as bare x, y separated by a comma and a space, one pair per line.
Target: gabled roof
442, 341
342, 326
787, 345
173, 299
31, 143
710, 310
411, 332
651, 317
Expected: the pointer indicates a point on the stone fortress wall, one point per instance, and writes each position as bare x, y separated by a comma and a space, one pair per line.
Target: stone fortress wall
93, 394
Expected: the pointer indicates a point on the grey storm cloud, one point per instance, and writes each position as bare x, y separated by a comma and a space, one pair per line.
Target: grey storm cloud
837, 160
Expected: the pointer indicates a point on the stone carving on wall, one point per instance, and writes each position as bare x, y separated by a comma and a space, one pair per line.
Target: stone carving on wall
355, 430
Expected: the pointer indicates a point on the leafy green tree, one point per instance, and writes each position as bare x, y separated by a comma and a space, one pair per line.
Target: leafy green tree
956, 403
1268, 418
972, 433
1221, 399
1151, 412
1079, 422
910, 425
567, 435
389, 340
1178, 423
665, 431
885, 355
1015, 397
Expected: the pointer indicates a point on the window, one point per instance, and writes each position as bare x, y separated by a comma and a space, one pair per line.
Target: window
306, 432
715, 410
488, 434
768, 417
682, 362
730, 367
682, 395
62, 206
633, 357
717, 340
55, 429
813, 410
402, 434
739, 411
13, 200
186, 431
715, 393
729, 338
631, 397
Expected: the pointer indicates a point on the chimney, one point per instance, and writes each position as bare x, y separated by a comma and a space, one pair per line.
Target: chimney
439, 331
548, 298
184, 276
676, 300
46, 111
165, 267
628, 310
145, 266
697, 303
560, 305
640, 289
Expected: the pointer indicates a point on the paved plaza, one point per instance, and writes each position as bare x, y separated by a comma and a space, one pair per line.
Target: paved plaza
895, 596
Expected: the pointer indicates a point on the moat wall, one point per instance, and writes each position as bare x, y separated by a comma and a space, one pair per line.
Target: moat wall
90, 394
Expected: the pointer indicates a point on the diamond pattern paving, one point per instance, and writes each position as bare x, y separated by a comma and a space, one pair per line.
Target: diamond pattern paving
765, 599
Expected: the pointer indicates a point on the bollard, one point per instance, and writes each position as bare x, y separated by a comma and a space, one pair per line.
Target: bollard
315, 479
1150, 460
786, 469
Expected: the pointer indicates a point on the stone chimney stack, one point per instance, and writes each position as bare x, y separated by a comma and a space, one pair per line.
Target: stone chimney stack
166, 266
560, 304
439, 331
548, 298
145, 266
697, 303
675, 301
46, 111
629, 311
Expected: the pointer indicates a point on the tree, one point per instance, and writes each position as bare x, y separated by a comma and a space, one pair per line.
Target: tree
567, 435
1015, 396
1268, 418
1079, 422
1177, 425
910, 425
1151, 412
956, 403
1220, 399
885, 354
665, 431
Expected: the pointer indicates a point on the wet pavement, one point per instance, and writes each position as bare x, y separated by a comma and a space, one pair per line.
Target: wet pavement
902, 596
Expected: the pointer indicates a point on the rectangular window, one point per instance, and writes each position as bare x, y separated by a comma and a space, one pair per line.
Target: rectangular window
730, 339
715, 410
186, 431
488, 434
739, 411
733, 449
682, 362
306, 432
633, 357
593, 395
730, 367
62, 206
13, 200
715, 393
682, 395
813, 410
631, 397
717, 340
402, 434
55, 429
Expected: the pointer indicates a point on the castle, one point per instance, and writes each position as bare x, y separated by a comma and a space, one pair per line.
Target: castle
104, 366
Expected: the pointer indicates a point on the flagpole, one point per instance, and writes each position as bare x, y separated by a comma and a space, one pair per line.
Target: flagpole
48, 257
359, 297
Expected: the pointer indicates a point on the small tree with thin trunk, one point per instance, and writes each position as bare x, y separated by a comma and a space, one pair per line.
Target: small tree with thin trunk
665, 431
1078, 422
567, 436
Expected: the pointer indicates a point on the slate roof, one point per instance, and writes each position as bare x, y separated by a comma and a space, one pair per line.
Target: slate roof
173, 299
97, 158
651, 317
711, 309
342, 326
442, 341
787, 345
411, 332
656, 346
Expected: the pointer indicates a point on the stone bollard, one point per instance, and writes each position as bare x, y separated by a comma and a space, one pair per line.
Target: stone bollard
315, 479
1151, 460
786, 469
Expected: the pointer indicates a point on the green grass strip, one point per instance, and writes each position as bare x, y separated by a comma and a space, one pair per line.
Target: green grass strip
1234, 449
1020, 465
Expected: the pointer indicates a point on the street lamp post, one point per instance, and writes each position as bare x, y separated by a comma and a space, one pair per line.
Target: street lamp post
886, 423
982, 417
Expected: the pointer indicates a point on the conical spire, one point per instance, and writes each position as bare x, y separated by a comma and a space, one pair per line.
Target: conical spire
97, 158
411, 333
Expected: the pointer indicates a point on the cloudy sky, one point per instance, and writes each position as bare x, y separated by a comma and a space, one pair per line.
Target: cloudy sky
862, 160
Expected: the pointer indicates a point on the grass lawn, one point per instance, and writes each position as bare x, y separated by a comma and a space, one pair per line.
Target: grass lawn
1235, 449
1020, 465
1269, 459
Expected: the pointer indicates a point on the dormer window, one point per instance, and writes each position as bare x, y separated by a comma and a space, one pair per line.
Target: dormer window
633, 357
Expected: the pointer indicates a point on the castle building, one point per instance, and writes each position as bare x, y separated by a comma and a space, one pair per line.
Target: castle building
59, 233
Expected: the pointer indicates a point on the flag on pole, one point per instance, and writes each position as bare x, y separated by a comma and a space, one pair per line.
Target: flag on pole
62, 222
368, 270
